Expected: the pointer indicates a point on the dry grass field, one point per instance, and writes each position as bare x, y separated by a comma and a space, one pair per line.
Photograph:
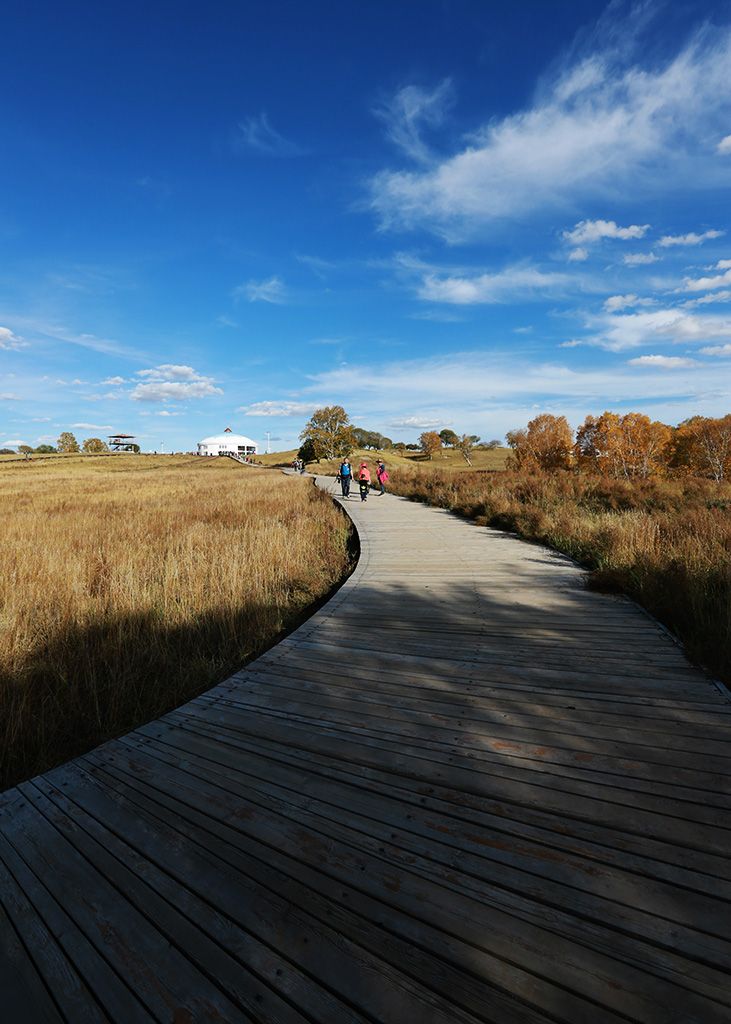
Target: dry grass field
666, 543
129, 584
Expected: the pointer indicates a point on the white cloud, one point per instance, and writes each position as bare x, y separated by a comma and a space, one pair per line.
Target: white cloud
616, 303
704, 284
704, 300
168, 371
636, 259
665, 362
717, 350
16, 441
411, 110
724, 145
522, 281
114, 380
578, 255
670, 326
177, 391
90, 426
690, 239
419, 422
571, 344
588, 231
599, 127
10, 398
279, 409
272, 290
11, 341
257, 135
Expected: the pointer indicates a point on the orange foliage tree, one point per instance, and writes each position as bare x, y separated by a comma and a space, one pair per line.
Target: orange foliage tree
627, 446
430, 443
546, 443
701, 446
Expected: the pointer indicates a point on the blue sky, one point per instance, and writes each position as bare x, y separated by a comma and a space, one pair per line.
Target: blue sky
432, 212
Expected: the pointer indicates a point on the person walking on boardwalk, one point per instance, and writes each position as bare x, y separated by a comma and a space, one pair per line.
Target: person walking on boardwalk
364, 480
381, 475
345, 476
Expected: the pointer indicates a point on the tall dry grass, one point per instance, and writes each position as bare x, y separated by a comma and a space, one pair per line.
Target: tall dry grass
131, 584
666, 543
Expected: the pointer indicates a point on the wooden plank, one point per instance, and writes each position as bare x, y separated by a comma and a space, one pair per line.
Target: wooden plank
551, 953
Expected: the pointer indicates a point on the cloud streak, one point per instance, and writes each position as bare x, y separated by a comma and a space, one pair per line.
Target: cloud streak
599, 126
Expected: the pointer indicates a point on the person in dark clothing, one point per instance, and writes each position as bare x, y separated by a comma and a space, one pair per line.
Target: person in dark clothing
364, 481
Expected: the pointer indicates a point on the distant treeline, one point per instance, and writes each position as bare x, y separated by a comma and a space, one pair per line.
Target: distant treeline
626, 447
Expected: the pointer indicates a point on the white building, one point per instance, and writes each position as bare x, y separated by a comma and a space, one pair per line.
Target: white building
228, 442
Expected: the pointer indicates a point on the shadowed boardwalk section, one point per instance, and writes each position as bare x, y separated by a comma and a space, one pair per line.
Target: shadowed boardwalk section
466, 790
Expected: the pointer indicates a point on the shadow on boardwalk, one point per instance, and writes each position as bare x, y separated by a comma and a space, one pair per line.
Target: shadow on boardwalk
466, 790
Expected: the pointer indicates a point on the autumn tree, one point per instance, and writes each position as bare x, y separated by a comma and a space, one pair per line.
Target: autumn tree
466, 443
67, 442
329, 433
630, 446
546, 443
701, 446
430, 442
94, 445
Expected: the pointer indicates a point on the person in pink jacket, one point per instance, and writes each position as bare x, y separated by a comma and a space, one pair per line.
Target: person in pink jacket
364, 480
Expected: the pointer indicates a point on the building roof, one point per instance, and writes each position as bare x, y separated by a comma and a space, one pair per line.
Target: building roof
228, 438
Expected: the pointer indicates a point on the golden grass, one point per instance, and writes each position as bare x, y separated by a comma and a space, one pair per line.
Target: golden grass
666, 543
130, 584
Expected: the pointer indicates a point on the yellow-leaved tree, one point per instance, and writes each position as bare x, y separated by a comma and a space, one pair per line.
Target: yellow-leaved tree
546, 443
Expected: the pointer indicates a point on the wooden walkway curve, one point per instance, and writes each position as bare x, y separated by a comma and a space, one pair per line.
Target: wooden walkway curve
466, 790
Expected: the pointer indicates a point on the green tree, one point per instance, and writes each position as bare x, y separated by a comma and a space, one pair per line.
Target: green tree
94, 445
449, 438
67, 442
430, 442
45, 449
330, 433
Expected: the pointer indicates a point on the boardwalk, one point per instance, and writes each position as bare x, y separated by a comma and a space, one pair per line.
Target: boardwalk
466, 790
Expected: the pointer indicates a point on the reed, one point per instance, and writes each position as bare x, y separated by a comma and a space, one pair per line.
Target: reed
129, 585
665, 543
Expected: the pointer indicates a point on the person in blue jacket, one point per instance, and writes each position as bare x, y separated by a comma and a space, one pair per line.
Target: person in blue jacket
345, 476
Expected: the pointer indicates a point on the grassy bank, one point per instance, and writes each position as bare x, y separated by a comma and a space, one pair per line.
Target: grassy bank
129, 585
665, 543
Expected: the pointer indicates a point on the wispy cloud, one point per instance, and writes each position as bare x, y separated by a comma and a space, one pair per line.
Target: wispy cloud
588, 231
525, 281
274, 408
705, 284
637, 259
717, 350
410, 111
258, 136
168, 371
419, 422
600, 125
670, 326
616, 303
272, 291
11, 341
177, 391
724, 145
9, 397
664, 362
690, 239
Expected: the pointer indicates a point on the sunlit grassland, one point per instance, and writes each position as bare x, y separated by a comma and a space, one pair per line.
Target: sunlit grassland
130, 584
450, 459
666, 543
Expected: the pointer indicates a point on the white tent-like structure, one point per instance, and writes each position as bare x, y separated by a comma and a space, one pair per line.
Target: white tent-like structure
228, 443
